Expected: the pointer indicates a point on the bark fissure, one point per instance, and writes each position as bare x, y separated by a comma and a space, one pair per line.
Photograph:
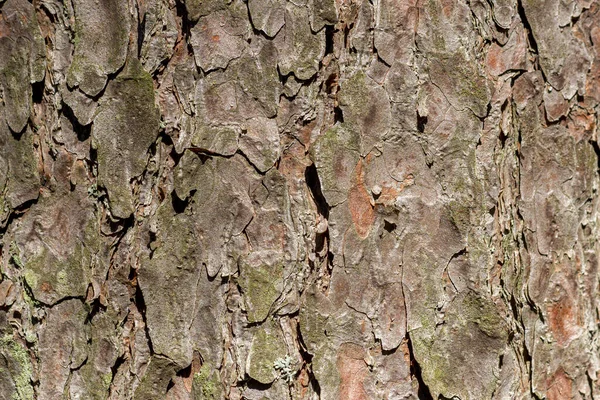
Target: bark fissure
195, 192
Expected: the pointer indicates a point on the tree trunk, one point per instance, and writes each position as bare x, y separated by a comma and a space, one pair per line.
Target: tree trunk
309, 199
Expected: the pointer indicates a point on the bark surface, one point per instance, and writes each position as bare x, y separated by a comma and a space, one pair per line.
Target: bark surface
308, 199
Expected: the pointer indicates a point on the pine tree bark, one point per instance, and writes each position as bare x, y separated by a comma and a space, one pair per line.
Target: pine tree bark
308, 199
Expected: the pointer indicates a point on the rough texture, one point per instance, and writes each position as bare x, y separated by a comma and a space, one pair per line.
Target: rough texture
308, 199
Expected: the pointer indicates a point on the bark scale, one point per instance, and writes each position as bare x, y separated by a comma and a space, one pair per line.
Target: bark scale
311, 199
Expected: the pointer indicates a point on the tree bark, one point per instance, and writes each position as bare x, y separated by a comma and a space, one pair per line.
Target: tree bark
309, 199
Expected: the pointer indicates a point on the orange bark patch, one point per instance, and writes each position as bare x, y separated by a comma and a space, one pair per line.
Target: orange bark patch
581, 124
448, 7
5, 290
353, 370
493, 59
556, 105
359, 203
304, 381
4, 29
277, 236
559, 386
293, 162
391, 190
592, 87
292, 165
216, 38
46, 287
512, 56
525, 88
562, 318
305, 133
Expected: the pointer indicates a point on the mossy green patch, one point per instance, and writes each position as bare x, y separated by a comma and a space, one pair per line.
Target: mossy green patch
20, 367
126, 126
15, 255
460, 215
259, 286
461, 82
267, 347
206, 384
51, 279
220, 139
484, 313
466, 345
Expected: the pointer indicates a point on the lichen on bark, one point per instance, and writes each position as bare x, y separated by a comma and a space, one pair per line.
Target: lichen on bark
309, 199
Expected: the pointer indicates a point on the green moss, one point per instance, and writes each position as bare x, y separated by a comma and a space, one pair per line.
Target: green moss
31, 278
60, 278
16, 88
260, 291
267, 347
341, 135
206, 385
434, 366
107, 379
15, 254
483, 312
128, 107
460, 79
218, 139
460, 215
313, 325
96, 383
23, 371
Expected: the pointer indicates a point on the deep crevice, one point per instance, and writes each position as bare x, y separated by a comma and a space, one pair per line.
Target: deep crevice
421, 122
254, 384
307, 358
527, 26
314, 184
17, 212
423, 391
119, 226
186, 23
389, 226
83, 132
338, 115
170, 385
258, 32
329, 35
37, 92
241, 153
381, 60
140, 32
331, 84
18, 135
596, 148
179, 205
140, 304
95, 308
115, 368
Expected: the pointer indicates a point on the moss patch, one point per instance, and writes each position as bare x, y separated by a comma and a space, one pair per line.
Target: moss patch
259, 286
206, 385
20, 367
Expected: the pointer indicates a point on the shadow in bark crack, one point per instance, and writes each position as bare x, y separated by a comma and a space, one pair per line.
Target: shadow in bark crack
83, 132
314, 184
37, 92
415, 370
307, 358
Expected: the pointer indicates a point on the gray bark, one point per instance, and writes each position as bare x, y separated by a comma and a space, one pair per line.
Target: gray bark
309, 199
